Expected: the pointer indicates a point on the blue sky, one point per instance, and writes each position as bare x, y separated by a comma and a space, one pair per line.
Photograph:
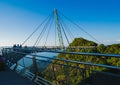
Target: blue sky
18, 18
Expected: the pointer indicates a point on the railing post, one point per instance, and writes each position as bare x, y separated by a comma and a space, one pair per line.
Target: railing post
16, 62
35, 67
89, 74
15, 66
67, 74
53, 68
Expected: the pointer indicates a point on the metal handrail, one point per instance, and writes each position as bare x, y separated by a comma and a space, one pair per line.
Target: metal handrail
74, 61
40, 80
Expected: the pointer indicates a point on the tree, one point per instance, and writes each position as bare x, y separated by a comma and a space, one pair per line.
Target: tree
101, 48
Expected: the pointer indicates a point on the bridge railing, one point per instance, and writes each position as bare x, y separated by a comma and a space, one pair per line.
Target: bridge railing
44, 48
62, 71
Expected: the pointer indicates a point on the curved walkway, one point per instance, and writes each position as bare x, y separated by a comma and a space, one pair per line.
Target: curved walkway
8, 77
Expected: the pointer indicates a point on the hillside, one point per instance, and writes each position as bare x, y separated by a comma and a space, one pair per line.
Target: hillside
62, 72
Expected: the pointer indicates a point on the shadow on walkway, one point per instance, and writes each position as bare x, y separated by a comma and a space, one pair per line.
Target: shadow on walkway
8, 77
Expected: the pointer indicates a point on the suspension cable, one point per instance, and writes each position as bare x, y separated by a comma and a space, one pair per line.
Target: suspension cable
65, 34
42, 32
79, 27
68, 30
55, 35
35, 30
48, 32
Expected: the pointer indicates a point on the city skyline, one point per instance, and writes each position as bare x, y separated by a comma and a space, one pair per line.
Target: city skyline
19, 18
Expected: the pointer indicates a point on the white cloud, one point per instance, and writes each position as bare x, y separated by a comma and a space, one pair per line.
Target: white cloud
118, 40
108, 42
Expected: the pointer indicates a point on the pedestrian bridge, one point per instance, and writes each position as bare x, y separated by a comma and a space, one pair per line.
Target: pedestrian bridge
86, 70
65, 68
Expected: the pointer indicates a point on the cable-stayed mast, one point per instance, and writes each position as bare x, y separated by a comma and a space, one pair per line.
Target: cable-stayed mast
59, 30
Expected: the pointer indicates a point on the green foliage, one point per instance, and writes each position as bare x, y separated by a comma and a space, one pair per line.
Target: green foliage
113, 49
73, 76
101, 48
82, 42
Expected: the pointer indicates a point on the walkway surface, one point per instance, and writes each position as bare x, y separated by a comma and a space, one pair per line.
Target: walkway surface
8, 77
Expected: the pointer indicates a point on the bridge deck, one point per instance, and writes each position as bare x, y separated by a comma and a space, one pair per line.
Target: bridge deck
9, 77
